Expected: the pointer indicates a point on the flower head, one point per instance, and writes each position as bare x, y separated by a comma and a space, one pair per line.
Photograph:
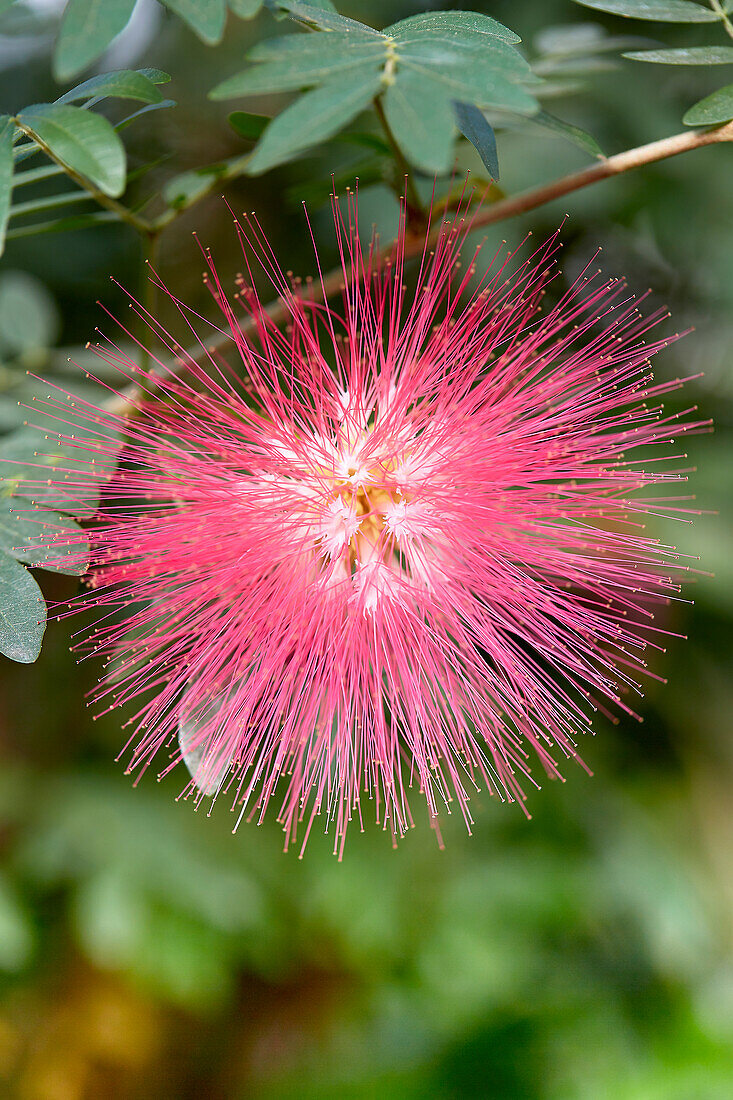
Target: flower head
396, 542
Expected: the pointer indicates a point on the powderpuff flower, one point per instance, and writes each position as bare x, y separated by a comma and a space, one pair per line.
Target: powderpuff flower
394, 543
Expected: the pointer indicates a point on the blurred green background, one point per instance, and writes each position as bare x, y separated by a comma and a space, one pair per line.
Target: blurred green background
584, 955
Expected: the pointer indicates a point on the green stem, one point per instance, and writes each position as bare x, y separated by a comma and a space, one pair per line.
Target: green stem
415, 209
720, 10
48, 202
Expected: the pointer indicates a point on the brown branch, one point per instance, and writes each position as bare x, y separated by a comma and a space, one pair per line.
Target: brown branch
498, 212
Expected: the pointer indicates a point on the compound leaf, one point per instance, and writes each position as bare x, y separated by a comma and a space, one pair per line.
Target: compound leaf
316, 116
311, 59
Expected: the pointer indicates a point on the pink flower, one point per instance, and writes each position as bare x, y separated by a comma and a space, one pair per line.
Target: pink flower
397, 543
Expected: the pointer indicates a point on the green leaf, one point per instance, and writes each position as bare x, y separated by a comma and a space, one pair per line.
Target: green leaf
364, 140
84, 141
694, 55
480, 56
156, 75
57, 474
7, 130
20, 20
313, 60
323, 17
460, 23
248, 126
24, 299
35, 175
662, 11
63, 225
420, 116
311, 49
16, 929
123, 123
122, 84
322, 5
87, 29
317, 192
573, 65
466, 78
245, 9
566, 129
42, 538
315, 116
206, 18
474, 125
22, 612
715, 108
571, 39
183, 190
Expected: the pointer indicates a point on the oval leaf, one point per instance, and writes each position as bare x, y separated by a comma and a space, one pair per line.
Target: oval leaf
489, 54
122, 84
248, 126
87, 29
24, 296
474, 125
206, 18
715, 108
459, 23
326, 18
324, 56
156, 75
695, 55
186, 188
469, 78
85, 142
566, 129
306, 49
315, 116
662, 11
22, 612
420, 115
42, 538
57, 475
